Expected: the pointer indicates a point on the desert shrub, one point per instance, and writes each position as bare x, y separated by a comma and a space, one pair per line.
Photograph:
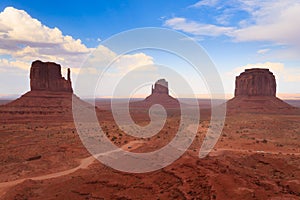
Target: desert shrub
264, 141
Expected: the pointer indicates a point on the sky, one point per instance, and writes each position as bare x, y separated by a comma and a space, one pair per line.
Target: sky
236, 34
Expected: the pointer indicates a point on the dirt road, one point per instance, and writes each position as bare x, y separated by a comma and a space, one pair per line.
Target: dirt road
84, 163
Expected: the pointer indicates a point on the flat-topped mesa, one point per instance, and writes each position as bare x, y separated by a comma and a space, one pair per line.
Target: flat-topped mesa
255, 82
46, 76
160, 87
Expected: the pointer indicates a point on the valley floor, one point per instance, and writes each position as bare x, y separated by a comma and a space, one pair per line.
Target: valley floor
256, 157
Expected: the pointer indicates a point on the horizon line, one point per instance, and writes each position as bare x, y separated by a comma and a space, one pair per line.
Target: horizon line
285, 96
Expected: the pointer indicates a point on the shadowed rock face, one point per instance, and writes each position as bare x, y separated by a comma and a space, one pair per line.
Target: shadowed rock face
255, 82
46, 76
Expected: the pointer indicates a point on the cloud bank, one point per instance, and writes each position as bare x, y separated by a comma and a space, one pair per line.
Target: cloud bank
24, 39
266, 20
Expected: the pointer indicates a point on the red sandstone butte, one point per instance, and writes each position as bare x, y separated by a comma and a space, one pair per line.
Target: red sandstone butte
160, 87
46, 76
255, 90
160, 94
255, 82
50, 96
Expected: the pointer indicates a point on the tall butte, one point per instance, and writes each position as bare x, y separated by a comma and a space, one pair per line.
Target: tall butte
255, 82
255, 89
50, 96
46, 76
159, 95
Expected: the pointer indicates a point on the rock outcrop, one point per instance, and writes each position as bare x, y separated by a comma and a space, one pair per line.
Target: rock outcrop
255, 82
46, 76
50, 98
255, 91
159, 95
160, 87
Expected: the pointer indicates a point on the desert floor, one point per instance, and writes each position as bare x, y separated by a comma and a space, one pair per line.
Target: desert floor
256, 157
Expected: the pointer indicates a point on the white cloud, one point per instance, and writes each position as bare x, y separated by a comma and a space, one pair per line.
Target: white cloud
18, 27
287, 53
24, 39
281, 72
195, 28
103, 59
263, 51
125, 63
205, 3
224, 19
275, 21
104, 69
7, 64
37, 41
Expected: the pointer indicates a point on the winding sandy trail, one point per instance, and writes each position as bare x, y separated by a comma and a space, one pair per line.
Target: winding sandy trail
84, 164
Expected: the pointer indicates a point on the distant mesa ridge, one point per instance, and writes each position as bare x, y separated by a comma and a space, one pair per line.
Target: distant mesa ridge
46, 76
52, 95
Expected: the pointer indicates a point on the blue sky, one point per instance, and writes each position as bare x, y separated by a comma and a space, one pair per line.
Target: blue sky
236, 35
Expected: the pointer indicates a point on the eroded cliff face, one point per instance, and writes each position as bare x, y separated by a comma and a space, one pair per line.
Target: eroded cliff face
255, 82
255, 91
159, 95
46, 76
160, 87
51, 97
